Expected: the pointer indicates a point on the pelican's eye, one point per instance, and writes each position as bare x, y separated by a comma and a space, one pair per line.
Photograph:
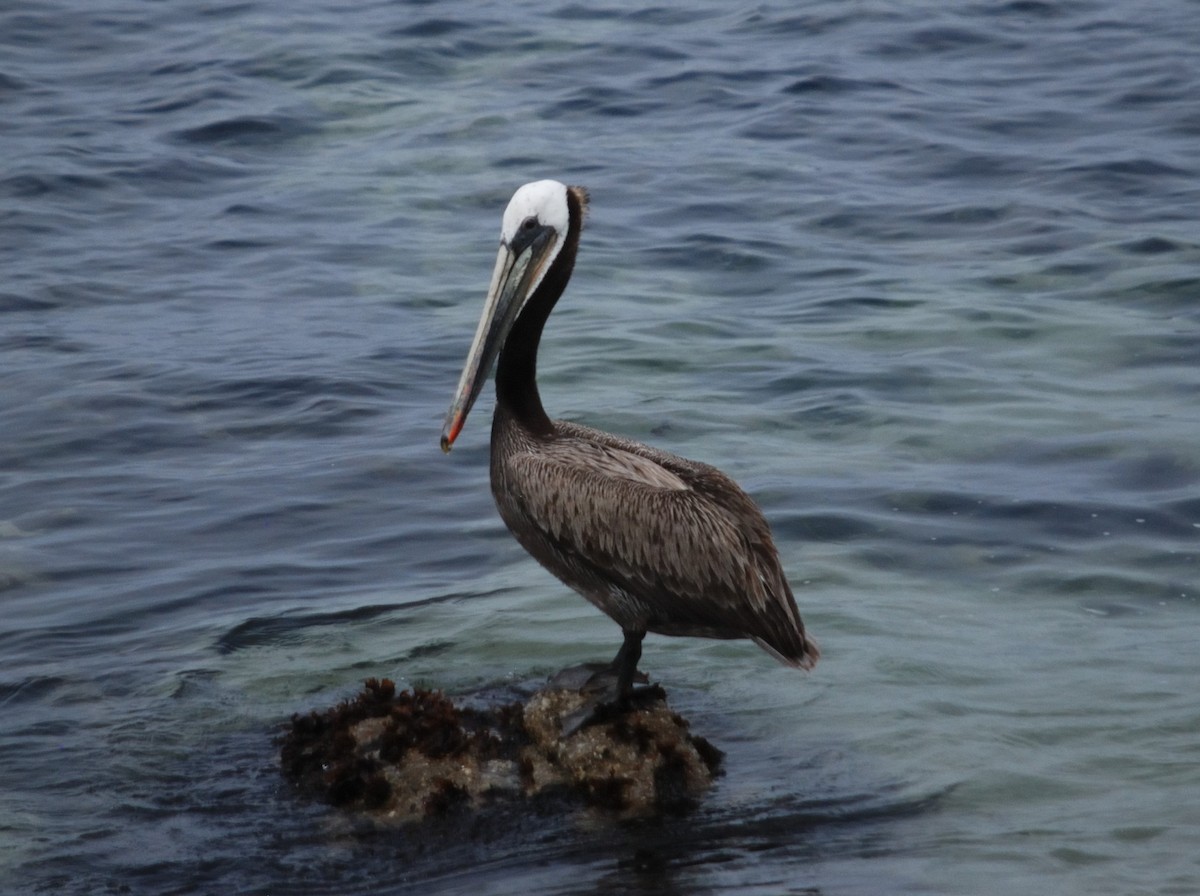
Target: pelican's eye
529, 223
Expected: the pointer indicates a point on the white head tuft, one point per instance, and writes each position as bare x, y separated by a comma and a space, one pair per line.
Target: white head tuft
543, 200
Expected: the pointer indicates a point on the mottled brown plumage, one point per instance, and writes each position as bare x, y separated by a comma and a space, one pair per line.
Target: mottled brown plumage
659, 543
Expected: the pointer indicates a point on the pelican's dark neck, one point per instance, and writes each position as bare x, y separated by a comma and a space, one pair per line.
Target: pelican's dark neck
516, 371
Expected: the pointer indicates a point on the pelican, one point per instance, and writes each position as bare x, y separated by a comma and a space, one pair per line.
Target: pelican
659, 543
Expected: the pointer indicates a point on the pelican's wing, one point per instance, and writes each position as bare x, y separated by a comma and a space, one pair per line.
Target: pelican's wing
676, 540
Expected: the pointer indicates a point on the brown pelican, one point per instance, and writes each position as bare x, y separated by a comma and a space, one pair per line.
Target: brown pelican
659, 543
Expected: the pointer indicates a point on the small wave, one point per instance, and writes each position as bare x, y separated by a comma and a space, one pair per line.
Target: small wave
246, 130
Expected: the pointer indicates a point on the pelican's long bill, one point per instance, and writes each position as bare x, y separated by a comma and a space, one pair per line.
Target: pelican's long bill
519, 269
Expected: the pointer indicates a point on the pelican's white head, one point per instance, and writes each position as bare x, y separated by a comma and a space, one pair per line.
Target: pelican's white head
543, 200
535, 208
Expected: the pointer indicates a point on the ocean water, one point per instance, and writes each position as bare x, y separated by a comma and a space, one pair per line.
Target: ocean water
925, 278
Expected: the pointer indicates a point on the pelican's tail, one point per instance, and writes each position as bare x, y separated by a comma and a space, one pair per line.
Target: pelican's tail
799, 651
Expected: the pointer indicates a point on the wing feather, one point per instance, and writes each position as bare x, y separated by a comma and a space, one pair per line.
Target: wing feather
657, 541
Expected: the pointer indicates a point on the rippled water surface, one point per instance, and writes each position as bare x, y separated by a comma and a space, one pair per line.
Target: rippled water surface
924, 278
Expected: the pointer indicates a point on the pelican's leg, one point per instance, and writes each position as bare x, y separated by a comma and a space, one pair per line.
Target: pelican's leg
609, 682
624, 664
611, 688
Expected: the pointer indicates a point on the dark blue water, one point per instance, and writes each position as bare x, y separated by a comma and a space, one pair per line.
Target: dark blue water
924, 278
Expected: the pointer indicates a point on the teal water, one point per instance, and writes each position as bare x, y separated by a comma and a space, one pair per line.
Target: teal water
923, 279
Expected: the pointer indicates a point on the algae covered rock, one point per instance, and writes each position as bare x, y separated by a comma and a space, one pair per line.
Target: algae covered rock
415, 754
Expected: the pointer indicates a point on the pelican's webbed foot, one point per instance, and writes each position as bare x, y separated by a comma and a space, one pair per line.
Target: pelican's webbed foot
597, 711
610, 687
600, 684
585, 677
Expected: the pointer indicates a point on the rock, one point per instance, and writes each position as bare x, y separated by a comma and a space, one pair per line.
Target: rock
407, 756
